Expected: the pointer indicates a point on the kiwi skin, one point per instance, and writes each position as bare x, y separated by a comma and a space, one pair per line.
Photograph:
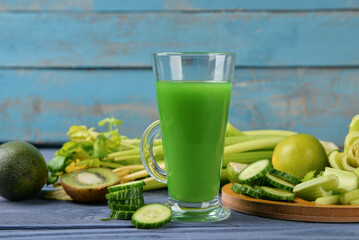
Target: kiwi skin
94, 194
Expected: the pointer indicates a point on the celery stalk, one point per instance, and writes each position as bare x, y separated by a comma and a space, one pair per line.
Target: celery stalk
347, 180
247, 157
329, 200
252, 145
316, 192
327, 182
348, 197
239, 139
232, 131
269, 132
152, 184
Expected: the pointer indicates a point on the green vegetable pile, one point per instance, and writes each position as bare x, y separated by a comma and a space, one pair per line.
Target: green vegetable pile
348, 159
337, 184
88, 148
260, 180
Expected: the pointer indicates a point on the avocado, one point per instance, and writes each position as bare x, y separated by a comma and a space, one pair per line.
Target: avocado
23, 170
89, 185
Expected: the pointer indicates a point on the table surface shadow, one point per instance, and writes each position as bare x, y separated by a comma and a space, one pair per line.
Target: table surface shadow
38, 218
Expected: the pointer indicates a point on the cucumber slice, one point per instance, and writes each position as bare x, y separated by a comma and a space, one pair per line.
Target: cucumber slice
257, 188
278, 182
151, 216
136, 201
237, 187
277, 194
123, 186
121, 215
285, 176
249, 191
122, 207
131, 193
254, 171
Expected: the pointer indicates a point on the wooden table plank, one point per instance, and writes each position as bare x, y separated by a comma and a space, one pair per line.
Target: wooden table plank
175, 5
38, 218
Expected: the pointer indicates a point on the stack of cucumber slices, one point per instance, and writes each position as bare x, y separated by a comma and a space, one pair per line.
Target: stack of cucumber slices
126, 203
125, 199
259, 180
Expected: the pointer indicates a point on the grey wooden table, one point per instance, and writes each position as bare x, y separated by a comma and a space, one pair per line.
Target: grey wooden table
38, 218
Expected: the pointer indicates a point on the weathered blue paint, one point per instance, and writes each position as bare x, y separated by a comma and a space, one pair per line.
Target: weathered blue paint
127, 39
183, 5
40, 105
76, 62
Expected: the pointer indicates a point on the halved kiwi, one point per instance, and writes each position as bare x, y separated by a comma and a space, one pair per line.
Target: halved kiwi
89, 185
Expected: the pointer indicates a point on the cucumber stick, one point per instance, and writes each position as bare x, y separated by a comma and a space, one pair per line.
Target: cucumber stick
254, 171
151, 216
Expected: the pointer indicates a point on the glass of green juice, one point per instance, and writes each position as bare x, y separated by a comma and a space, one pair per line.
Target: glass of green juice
193, 95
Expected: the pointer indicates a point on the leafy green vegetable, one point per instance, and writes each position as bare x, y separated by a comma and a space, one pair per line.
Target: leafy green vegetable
89, 148
57, 164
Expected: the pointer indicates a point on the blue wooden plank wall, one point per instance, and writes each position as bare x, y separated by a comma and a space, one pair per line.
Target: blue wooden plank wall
76, 62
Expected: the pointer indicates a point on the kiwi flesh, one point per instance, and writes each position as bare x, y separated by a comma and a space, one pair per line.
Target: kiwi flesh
89, 185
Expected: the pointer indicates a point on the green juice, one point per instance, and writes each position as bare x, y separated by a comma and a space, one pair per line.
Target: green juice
193, 118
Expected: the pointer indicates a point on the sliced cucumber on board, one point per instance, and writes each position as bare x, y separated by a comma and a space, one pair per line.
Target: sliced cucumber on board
254, 171
249, 191
237, 188
277, 194
278, 182
285, 176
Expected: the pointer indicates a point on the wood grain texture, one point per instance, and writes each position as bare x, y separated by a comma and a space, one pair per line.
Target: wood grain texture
267, 39
40, 105
38, 218
170, 5
297, 210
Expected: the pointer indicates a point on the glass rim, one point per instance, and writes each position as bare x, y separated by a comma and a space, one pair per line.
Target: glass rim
194, 54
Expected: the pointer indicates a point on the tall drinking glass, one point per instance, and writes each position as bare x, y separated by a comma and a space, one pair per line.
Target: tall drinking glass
193, 95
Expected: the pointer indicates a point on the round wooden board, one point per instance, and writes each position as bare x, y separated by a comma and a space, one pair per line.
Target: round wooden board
297, 210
